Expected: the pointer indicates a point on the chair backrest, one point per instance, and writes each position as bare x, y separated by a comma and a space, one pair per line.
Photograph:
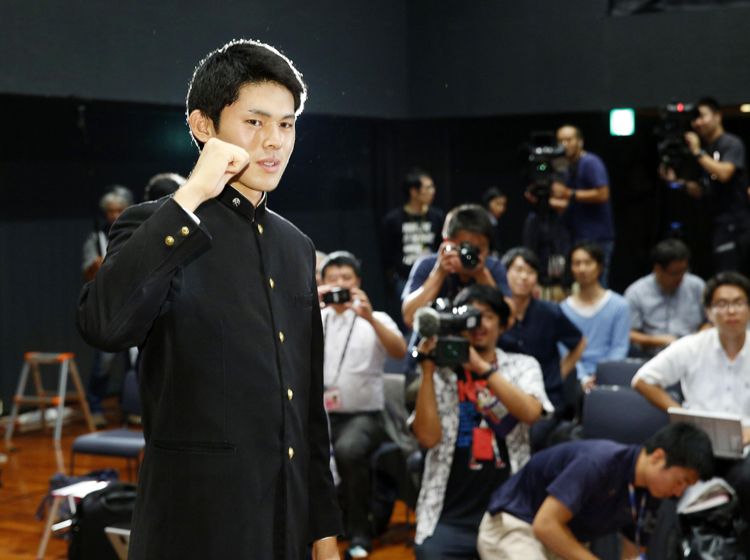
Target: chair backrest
619, 372
131, 402
620, 414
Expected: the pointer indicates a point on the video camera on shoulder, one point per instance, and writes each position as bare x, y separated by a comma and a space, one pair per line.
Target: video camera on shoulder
448, 322
542, 152
674, 122
337, 295
468, 253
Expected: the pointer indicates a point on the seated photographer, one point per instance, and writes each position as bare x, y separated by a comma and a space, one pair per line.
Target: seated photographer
463, 259
474, 418
575, 492
539, 327
585, 189
357, 342
713, 369
601, 315
666, 304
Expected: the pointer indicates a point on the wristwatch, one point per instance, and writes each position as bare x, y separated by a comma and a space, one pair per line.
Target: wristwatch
701, 153
486, 374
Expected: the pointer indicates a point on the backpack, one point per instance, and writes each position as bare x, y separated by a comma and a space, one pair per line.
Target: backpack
109, 506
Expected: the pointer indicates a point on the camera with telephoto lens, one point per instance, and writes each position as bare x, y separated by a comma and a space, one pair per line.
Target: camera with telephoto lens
541, 156
674, 122
337, 295
448, 322
468, 253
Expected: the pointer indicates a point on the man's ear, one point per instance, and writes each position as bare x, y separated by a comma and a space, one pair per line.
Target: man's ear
201, 126
658, 457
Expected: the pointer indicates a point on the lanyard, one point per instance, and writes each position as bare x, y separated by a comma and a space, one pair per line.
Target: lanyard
637, 519
346, 346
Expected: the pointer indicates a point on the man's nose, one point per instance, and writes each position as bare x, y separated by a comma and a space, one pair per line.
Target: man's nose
272, 137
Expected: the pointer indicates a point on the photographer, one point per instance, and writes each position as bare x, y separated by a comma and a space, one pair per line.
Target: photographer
723, 185
357, 342
445, 273
474, 419
586, 192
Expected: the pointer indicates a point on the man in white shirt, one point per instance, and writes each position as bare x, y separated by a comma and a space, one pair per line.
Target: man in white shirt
357, 342
713, 368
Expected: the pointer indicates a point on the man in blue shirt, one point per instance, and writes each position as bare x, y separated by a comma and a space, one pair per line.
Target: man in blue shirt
539, 327
445, 274
574, 492
586, 193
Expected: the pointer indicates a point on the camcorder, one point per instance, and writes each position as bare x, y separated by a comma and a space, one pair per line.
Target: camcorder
448, 322
468, 253
674, 122
540, 154
337, 295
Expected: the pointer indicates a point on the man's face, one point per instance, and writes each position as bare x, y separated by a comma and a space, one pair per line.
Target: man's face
584, 267
426, 192
497, 206
729, 309
113, 211
569, 140
521, 278
669, 278
341, 277
707, 122
489, 330
262, 122
667, 482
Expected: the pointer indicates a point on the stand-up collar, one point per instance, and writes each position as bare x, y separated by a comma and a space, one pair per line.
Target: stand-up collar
232, 198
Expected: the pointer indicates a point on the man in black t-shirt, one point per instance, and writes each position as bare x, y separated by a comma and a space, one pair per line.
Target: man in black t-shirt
723, 185
410, 232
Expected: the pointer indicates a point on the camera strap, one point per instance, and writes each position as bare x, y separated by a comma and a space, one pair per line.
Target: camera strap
346, 346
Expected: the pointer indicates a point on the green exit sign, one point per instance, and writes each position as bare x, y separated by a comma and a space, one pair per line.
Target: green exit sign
622, 122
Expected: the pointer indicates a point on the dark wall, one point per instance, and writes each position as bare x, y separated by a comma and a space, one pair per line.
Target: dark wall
542, 56
352, 53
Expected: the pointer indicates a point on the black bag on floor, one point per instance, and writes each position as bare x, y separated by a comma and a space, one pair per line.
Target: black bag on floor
713, 534
109, 506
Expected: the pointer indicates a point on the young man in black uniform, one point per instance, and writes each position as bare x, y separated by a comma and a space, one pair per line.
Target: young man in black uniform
218, 292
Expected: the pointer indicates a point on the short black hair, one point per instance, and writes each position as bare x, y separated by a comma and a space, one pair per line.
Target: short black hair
489, 295
413, 180
163, 184
579, 132
596, 252
727, 278
710, 102
668, 251
526, 254
341, 258
685, 445
467, 217
218, 78
491, 194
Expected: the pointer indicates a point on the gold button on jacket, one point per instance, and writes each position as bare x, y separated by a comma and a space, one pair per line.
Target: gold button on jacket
185, 231
289, 393
281, 336
291, 452
169, 240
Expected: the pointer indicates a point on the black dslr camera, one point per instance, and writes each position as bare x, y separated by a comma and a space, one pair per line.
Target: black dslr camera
541, 152
337, 295
448, 323
674, 122
468, 253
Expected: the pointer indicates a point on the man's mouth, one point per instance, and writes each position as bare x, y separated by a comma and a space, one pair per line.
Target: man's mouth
270, 164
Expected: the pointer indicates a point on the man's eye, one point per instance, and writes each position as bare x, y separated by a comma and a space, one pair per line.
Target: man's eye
287, 125
254, 122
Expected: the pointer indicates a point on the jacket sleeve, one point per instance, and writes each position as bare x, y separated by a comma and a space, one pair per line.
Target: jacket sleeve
147, 244
324, 517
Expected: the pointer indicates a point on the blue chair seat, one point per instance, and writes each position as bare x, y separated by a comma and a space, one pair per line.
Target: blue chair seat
113, 443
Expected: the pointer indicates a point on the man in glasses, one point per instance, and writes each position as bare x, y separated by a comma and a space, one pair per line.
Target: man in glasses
713, 368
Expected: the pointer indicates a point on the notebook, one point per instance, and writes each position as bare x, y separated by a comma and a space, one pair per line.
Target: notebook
724, 430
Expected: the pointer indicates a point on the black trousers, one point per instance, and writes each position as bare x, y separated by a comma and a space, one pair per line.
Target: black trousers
355, 438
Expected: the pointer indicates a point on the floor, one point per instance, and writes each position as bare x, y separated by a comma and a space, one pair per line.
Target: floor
25, 479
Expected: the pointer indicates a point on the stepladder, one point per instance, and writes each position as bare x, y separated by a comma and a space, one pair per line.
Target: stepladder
43, 398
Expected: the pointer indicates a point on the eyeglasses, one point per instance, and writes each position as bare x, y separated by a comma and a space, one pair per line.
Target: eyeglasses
722, 306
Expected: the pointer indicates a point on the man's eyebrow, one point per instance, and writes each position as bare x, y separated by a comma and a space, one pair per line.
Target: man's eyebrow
267, 114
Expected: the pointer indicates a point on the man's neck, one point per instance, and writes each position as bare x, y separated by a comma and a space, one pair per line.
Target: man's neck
339, 308
252, 195
591, 293
576, 157
715, 136
487, 354
640, 469
415, 207
732, 342
521, 304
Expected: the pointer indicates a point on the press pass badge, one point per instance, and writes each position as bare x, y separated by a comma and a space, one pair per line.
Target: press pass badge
332, 399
